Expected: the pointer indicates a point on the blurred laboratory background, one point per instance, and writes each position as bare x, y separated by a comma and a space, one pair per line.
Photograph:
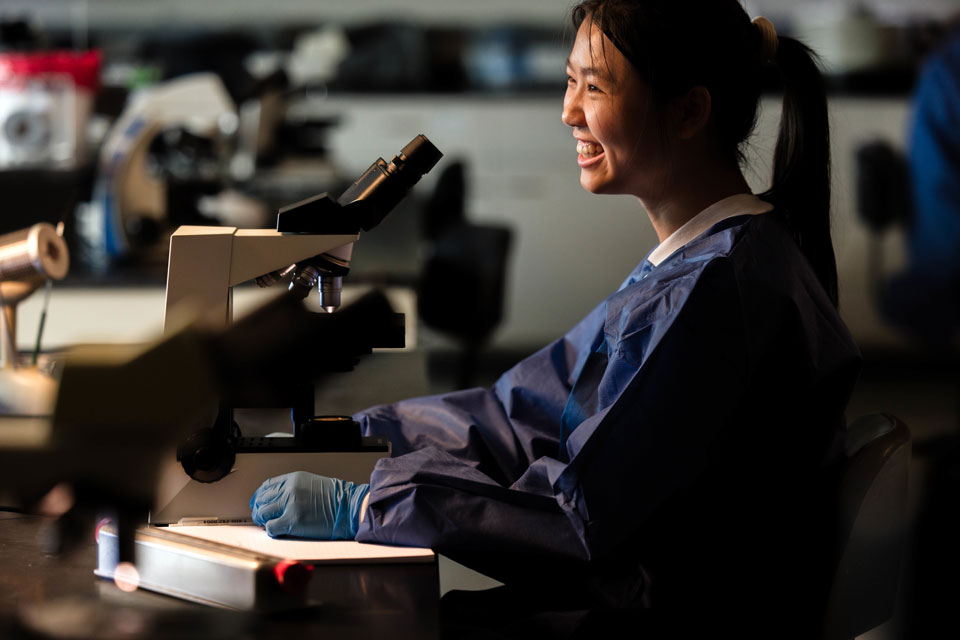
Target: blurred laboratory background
126, 118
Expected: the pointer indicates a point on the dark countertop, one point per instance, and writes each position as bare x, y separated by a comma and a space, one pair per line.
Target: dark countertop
383, 601
47, 595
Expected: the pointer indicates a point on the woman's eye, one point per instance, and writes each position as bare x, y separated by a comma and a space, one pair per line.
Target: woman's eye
571, 80
592, 87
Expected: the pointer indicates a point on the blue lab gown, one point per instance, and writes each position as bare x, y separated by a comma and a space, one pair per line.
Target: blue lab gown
925, 298
683, 430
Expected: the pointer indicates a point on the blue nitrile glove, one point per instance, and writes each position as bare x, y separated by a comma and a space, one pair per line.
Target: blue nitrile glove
305, 504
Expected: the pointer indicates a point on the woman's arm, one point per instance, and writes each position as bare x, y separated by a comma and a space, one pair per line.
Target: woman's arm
626, 459
498, 431
720, 415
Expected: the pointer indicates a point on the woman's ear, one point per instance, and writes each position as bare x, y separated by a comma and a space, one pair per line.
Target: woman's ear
692, 112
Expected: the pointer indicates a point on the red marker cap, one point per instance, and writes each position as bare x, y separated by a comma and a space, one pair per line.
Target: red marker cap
292, 576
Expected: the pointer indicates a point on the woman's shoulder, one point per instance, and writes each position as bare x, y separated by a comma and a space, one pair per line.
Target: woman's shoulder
681, 270
780, 294
748, 273
641, 312
742, 260
766, 258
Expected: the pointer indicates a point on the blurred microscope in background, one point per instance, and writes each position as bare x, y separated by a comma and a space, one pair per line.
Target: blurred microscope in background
207, 144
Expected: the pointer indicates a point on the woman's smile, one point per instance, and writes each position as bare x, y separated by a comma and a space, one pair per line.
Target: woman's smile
588, 153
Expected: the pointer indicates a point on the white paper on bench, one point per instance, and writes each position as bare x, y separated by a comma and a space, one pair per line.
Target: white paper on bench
255, 539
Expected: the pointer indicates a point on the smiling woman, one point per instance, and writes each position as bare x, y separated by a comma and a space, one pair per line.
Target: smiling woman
665, 462
610, 109
676, 88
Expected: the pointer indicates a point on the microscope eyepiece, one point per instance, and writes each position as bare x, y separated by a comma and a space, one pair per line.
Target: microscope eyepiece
368, 200
384, 185
362, 206
417, 158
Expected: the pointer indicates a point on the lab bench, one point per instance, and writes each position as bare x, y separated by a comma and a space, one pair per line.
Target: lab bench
58, 596
383, 599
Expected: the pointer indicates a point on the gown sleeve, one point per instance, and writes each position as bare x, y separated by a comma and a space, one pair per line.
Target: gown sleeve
670, 378
498, 431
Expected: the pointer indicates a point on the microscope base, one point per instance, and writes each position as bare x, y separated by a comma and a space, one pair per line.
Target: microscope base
182, 499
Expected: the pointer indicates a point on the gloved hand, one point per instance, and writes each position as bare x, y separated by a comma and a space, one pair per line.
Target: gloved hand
305, 504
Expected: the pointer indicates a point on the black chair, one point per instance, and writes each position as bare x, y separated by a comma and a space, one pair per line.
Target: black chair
463, 282
872, 526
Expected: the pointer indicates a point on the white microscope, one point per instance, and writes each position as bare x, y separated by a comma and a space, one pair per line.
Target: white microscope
217, 470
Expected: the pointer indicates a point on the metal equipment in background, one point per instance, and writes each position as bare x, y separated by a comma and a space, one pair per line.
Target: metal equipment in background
190, 152
216, 469
28, 259
180, 153
45, 101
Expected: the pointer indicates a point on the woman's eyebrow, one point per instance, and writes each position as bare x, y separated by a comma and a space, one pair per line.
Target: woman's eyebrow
586, 71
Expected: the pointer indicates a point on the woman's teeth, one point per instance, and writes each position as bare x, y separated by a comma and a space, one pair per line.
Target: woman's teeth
588, 148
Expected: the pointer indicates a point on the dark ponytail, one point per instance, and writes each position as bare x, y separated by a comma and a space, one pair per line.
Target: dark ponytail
676, 45
801, 161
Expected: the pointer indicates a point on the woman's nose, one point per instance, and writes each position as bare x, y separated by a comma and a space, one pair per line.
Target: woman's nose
572, 114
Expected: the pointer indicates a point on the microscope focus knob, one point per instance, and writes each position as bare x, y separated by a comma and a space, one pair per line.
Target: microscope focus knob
206, 456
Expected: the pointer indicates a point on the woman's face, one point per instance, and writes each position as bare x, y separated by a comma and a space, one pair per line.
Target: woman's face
608, 105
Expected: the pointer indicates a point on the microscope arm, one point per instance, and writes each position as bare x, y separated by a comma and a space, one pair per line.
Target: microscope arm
260, 251
206, 262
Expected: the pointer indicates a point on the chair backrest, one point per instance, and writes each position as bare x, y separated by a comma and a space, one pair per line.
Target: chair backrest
446, 206
463, 282
872, 524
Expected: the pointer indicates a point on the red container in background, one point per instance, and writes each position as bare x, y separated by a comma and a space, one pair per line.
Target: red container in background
45, 101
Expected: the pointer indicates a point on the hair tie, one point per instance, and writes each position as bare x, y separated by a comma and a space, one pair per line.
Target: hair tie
768, 37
